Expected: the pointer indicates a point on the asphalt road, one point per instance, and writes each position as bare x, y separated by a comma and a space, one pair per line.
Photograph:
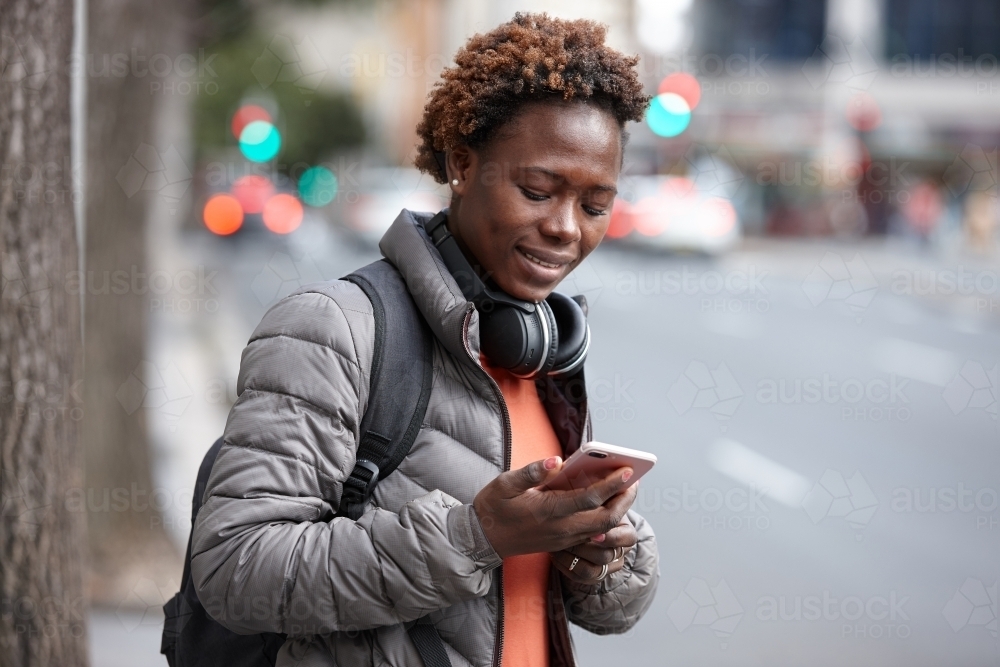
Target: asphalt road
825, 417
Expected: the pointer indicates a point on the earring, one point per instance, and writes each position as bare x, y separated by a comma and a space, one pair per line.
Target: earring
454, 181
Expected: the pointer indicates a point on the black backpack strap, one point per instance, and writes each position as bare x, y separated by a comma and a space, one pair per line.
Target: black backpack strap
429, 645
400, 384
200, 484
178, 609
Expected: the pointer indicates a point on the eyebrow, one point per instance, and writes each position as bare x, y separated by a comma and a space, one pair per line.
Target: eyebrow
559, 177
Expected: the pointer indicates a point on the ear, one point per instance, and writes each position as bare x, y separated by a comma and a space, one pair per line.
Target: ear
460, 164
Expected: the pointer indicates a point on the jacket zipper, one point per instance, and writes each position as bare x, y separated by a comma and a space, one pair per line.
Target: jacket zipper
507, 437
505, 418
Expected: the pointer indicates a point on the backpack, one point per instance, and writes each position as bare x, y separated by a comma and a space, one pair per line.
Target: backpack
400, 385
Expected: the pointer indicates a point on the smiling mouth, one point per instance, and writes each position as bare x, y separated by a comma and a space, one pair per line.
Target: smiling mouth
547, 265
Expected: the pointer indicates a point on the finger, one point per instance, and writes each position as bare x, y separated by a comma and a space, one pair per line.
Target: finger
619, 541
585, 571
593, 496
594, 553
622, 535
604, 519
518, 481
622, 503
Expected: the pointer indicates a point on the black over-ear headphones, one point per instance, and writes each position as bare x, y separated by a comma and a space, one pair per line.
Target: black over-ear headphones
551, 337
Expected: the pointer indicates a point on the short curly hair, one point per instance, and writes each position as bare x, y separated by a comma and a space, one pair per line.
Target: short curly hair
533, 57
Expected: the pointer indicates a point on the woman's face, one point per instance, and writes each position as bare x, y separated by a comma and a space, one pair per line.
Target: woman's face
534, 202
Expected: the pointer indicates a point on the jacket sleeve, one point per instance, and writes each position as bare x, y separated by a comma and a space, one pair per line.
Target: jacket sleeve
267, 554
616, 604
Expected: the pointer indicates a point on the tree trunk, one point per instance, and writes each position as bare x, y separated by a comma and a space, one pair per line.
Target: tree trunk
124, 168
42, 617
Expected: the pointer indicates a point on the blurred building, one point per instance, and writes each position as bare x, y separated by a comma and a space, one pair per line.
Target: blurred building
834, 111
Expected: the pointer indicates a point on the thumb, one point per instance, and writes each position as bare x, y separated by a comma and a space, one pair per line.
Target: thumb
520, 480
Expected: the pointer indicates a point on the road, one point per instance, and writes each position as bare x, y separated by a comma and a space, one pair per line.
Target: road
824, 413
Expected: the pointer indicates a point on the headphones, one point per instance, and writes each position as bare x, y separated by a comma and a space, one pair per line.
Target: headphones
551, 337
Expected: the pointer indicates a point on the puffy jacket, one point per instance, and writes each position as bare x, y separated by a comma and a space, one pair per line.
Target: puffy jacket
268, 555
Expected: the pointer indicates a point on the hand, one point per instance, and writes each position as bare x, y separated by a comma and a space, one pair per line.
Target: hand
519, 518
594, 554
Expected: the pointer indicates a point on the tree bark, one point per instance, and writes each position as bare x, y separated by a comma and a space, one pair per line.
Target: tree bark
125, 43
42, 618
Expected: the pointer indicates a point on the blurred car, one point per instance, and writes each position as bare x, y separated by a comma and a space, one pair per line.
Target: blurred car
674, 213
383, 192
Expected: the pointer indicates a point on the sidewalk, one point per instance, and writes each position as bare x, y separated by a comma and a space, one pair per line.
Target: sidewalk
124, 639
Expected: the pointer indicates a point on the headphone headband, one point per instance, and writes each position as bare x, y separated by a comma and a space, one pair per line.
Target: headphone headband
472, 286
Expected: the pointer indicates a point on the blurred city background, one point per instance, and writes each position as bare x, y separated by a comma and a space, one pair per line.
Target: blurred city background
797, 307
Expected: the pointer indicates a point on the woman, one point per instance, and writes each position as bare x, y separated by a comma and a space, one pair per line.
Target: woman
528, 131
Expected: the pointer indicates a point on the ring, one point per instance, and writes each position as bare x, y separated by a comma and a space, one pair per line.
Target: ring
604, 572
619, 556
573, 564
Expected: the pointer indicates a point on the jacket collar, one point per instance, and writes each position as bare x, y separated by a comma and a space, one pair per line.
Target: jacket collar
434, 290
455, 322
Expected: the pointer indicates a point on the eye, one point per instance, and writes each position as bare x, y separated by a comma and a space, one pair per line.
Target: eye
594, 212
533, 196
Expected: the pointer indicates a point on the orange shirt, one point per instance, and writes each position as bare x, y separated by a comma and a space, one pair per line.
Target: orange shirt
525, 578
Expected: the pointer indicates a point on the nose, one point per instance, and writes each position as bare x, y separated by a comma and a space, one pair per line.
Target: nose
563, 225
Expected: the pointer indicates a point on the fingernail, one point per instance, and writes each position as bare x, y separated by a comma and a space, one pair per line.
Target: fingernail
551, 462
598, 538
627, 475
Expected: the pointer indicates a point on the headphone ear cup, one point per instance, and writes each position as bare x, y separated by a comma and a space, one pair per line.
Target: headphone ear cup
574, 333
522, 343
506, 337
543, 310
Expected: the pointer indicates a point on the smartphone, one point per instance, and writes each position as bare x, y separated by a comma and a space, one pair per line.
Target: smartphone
596, 460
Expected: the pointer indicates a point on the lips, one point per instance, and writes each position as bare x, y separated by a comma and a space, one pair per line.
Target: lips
547, 265
546, 259
542, 267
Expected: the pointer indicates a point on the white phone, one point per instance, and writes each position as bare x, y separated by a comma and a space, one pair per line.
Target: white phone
596, 460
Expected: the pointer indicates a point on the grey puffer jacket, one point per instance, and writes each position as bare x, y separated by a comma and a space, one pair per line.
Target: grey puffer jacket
268, 555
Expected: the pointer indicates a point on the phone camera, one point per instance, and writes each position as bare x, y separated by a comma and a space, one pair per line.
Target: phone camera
599, 455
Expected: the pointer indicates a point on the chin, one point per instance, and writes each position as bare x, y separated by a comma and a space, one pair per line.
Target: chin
528, 291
